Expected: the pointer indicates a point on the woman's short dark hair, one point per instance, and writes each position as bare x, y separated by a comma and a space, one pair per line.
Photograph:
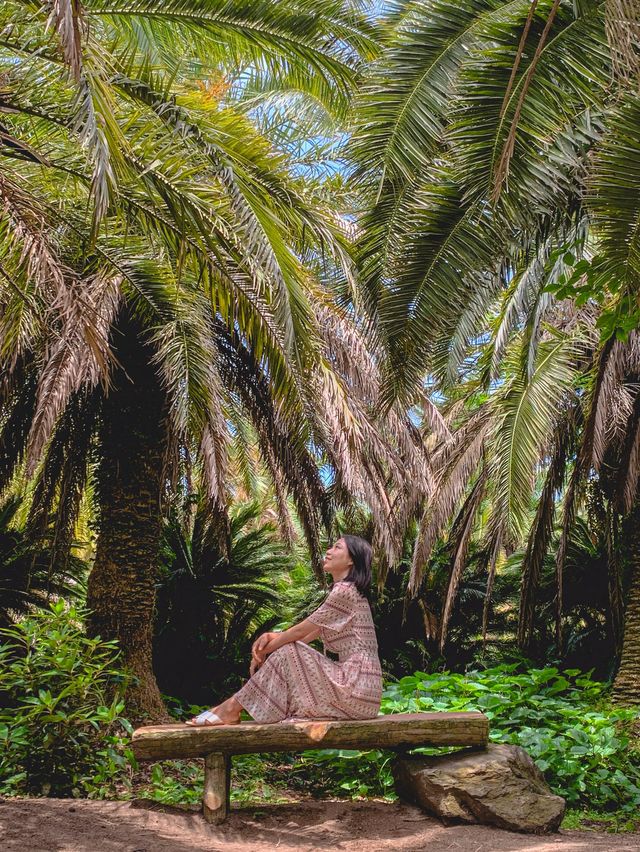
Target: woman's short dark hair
361, 554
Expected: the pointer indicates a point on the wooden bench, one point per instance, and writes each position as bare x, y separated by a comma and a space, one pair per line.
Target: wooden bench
217, 744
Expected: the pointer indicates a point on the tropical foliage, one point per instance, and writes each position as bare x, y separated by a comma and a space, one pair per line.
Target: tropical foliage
161, 284
499, 161
273, 272
558, 717
28, 577
210, 605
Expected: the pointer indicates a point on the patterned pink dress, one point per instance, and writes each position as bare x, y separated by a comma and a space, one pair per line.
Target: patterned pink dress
296, 681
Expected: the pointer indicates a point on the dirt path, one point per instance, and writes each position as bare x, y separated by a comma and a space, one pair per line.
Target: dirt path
68, 825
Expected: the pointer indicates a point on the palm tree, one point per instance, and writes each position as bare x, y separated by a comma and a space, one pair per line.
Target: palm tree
498, 145
160, 285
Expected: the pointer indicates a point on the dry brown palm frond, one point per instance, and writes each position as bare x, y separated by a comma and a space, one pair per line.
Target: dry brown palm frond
542, 527
622, 25
379, 456
27, 231
620, 411
493, 549
449, 488
610, 369
433, 419
455, 467
611, 423
213, 452
356, 449
633, 353
356, 356
630, 461
430, 620
348, 349
81, 356
66, 18
460, 538
448, 451
43, 283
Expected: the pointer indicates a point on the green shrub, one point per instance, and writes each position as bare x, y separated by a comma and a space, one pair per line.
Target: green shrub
562, 719
60, 734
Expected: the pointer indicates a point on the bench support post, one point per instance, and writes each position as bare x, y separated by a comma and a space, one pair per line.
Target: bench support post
215, 801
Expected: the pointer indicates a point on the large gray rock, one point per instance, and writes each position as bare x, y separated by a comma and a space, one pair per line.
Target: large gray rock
499, 785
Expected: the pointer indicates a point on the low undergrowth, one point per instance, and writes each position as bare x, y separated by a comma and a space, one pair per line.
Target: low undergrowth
62, 735
583, 745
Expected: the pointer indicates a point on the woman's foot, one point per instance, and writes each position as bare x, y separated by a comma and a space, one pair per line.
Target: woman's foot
227, 713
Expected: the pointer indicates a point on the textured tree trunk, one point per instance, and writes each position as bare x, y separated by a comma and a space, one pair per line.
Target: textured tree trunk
626, 685
133, 441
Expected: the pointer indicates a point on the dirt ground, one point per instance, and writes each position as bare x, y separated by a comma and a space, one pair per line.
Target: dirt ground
72, 825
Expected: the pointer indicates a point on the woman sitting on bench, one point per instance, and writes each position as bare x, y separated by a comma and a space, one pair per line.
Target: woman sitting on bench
289, 679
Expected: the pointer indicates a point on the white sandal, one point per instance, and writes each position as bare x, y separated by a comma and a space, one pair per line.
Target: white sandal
208, 719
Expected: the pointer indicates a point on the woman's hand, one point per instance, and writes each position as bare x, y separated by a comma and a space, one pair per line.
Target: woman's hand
259, 652
258, 647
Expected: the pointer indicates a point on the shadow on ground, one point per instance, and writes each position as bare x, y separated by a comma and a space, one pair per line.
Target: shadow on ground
69, 825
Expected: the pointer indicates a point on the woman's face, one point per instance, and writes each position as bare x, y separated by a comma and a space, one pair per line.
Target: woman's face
337, 560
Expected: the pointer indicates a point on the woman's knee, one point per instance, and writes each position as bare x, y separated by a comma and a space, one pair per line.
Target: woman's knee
282, 653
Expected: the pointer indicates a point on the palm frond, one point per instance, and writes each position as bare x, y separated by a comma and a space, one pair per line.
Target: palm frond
542, 527
460, 540
612, 199
66, 18
622, 20
79, 358
526, 413
454, 468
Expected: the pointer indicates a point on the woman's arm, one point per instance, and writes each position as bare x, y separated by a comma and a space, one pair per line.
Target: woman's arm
266, 643
311, 635
304, 631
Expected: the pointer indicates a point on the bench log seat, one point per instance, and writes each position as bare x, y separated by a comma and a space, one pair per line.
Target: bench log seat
216, 744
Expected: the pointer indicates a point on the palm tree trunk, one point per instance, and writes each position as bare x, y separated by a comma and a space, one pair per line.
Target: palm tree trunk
133, 439
626, 685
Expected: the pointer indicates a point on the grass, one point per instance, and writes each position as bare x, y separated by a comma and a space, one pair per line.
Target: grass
589, 820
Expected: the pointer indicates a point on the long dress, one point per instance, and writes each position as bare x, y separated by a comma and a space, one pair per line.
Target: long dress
296, 681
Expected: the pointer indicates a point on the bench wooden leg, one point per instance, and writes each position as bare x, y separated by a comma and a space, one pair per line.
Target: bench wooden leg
215, 801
